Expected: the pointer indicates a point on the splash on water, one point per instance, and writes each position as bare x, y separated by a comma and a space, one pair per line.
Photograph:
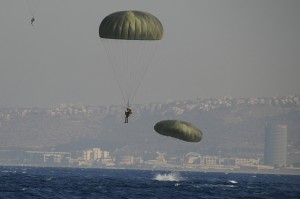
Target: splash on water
232, 181
167, 177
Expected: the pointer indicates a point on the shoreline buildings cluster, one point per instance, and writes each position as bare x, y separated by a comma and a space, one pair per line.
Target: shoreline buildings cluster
273, 161
274, 157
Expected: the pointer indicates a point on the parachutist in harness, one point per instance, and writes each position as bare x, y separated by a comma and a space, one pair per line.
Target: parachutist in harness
128, 47
128, 112
32, 20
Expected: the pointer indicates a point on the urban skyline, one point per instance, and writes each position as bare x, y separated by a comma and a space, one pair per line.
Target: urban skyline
229, 111
97, 158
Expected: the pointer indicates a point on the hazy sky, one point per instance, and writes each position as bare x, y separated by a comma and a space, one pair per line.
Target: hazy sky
210, 49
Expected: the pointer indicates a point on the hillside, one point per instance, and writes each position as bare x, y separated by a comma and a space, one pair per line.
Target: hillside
230, 126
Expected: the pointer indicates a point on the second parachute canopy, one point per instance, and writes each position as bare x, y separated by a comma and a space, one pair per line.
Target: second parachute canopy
179, 129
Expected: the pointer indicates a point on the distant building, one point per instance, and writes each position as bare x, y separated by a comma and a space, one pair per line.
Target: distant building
240, 162
209, 161
94, 154
125, 160
47, 158
275, 149
87, 154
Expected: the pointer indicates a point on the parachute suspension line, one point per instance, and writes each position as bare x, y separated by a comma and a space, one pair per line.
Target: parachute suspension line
128, 104
133, 66
119, 70
130, 60
137, 58
125, 51
110, 50
32, 6
150, 51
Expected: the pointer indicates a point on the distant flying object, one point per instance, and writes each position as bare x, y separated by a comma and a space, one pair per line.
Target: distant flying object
179, 129
33, 7
130, 39
32, 20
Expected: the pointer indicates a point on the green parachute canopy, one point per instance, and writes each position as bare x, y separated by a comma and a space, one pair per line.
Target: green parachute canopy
131, 25
179, 129
130, 39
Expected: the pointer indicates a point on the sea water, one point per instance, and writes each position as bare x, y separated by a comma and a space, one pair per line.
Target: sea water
35, 182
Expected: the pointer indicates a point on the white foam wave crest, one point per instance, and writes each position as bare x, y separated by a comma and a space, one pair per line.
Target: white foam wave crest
167, 177
232, 181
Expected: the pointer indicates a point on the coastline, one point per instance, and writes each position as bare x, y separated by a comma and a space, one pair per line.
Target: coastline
280, 171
